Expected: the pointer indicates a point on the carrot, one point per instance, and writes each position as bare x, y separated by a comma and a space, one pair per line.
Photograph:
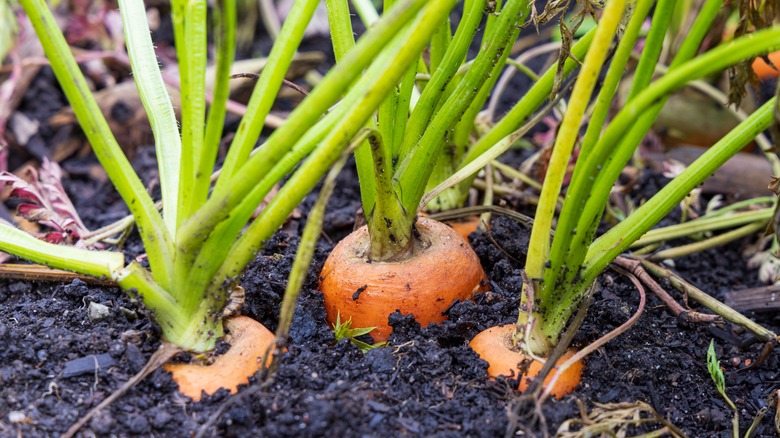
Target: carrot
441, 269
249, 342
465, 226
494, 346
764, 70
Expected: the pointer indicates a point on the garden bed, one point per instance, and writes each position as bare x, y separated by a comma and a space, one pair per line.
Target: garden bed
426, 382
64, 347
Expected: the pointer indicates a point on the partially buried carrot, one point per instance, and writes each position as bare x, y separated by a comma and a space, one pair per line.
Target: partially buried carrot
764, 70
441, 270
494, 347
465, 226
249, 342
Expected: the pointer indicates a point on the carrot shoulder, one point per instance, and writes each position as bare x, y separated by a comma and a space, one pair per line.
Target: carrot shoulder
250, 341
493, 346
441, 270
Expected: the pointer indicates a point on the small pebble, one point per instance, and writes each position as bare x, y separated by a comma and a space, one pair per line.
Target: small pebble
160, 419
135, 358
87, 365
16, 417
129, 314
98, 311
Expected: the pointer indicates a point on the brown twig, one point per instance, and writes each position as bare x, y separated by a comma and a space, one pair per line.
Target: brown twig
256, 76
707, 301
44, 273
687, 315
599, 342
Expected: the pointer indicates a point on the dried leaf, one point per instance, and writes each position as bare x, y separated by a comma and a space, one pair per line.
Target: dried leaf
753, 15
774, 185
615, 419
45, 202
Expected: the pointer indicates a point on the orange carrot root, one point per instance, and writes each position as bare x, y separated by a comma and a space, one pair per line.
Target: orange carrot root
493, 346
442, 269
249, 340
764, 70
465, 226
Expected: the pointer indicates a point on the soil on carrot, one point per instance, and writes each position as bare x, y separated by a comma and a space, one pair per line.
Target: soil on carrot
57, 361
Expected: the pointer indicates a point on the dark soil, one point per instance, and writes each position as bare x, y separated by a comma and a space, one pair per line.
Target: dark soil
427, 382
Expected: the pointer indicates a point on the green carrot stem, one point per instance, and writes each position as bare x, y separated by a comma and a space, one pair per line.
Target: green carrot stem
193, 102
434, 91
539, 246
539, 341
154, 233
712, 242
378, 80
702, 224
563, 243
100, 264
220, 205
389, 229
263, 96
308, 243
613, 242
596, 173
225, 18
413, 172
157, 103
343, 40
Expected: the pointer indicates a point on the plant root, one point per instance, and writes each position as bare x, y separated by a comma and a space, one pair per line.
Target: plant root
599, 342
689, 290
162, 355
685, 315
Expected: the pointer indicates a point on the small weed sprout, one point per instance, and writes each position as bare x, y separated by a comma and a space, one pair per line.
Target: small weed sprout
344, 330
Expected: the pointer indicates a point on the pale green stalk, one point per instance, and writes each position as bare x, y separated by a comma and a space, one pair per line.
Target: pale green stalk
379, 79
712, 242
157, 103
193, 101
153, 231
100, 264
703, 224
539, 246
268, 84
225, 42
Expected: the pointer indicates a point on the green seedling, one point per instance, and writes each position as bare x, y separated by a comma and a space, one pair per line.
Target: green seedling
716, 373
344, 330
